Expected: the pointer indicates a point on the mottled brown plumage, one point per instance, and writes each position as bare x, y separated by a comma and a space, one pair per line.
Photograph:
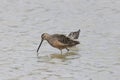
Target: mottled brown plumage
58, 41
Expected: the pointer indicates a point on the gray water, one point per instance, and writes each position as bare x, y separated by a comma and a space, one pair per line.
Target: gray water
23, 21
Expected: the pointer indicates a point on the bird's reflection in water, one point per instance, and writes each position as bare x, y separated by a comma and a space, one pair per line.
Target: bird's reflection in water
63, 56
59, 56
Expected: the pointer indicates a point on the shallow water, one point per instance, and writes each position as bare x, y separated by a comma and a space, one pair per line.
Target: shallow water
22, 23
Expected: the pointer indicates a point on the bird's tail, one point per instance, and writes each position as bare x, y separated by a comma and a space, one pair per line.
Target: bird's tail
74, 43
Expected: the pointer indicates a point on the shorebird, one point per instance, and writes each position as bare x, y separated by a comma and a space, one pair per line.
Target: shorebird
58, 41
74, 35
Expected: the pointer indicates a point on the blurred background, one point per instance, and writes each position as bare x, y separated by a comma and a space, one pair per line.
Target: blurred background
23, 21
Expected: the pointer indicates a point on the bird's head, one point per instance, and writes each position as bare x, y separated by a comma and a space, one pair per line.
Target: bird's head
44, 36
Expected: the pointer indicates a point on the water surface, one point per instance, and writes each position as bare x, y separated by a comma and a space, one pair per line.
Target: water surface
96, 58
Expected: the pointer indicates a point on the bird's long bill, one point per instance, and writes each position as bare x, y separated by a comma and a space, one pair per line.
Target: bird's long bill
39, 46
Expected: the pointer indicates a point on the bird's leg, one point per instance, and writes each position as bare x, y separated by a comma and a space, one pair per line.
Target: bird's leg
61, 51
67, 49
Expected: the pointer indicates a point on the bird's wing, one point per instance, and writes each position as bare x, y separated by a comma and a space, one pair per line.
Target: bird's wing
65, 40
74, 35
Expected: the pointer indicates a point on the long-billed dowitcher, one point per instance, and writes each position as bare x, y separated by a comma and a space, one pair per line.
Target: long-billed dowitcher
74, 35
58, 41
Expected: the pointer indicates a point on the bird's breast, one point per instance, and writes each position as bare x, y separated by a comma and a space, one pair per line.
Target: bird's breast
56, 44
